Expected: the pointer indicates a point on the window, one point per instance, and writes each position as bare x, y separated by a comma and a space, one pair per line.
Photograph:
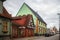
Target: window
39, 29
0, 21
5, 26
43, 24
40, 23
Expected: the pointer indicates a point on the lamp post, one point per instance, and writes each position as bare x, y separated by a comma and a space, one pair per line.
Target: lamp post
59, 22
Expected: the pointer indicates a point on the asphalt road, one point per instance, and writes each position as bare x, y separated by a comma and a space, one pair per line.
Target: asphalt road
55, 37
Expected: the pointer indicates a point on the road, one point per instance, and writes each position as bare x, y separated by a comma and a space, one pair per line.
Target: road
55, 37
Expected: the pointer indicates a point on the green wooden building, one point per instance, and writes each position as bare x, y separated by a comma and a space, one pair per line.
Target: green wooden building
5, 22
40, 24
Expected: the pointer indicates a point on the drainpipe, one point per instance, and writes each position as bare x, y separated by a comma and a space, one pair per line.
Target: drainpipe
37, 25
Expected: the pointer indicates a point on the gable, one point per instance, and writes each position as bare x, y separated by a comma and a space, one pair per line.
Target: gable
24, 10
5, 13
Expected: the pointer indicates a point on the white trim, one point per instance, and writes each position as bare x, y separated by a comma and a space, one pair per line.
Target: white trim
22, 27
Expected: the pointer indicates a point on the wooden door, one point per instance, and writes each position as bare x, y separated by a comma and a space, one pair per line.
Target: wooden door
21, 32
14, 32
26, 33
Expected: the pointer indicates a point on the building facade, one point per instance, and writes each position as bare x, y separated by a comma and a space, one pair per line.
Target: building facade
14, 32
26, 28
5, 22
54, 30
40, 25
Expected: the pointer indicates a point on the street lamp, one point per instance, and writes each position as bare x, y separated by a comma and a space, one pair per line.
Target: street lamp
59, 22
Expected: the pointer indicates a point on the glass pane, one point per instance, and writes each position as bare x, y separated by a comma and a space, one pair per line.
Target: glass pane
4, 26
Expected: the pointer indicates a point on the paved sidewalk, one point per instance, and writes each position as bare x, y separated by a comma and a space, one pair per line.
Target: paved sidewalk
55, 37
29, 38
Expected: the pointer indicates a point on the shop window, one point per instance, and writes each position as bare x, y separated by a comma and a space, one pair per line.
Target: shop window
5, 29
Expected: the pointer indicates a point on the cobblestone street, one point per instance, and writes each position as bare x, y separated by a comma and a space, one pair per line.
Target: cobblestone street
55, 37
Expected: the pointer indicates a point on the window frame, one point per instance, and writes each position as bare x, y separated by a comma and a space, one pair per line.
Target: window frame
5, 26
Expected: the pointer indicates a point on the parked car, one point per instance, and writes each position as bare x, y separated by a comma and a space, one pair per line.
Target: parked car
49, 33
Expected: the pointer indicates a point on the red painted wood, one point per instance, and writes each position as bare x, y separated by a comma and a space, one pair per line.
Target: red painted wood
21, 21
14, 32
27, 32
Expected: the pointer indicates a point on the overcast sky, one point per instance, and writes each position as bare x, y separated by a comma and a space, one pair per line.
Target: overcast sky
47, 9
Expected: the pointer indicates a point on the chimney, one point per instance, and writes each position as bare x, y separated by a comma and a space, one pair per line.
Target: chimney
1, 5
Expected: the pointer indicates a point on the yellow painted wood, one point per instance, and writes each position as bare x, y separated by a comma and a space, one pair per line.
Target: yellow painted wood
36, 25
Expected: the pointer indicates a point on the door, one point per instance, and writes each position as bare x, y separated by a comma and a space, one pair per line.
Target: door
26, 32
21, 32
14, 32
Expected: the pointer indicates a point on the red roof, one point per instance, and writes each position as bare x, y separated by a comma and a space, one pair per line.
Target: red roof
23, 21
5, 13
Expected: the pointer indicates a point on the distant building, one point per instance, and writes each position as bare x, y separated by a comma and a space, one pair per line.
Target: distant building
54, 29
48, 30
26, 27
40, 24
5, 22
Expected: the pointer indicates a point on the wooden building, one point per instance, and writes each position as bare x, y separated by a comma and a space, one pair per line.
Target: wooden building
26, 27
5, 22
14, 32
40, 24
